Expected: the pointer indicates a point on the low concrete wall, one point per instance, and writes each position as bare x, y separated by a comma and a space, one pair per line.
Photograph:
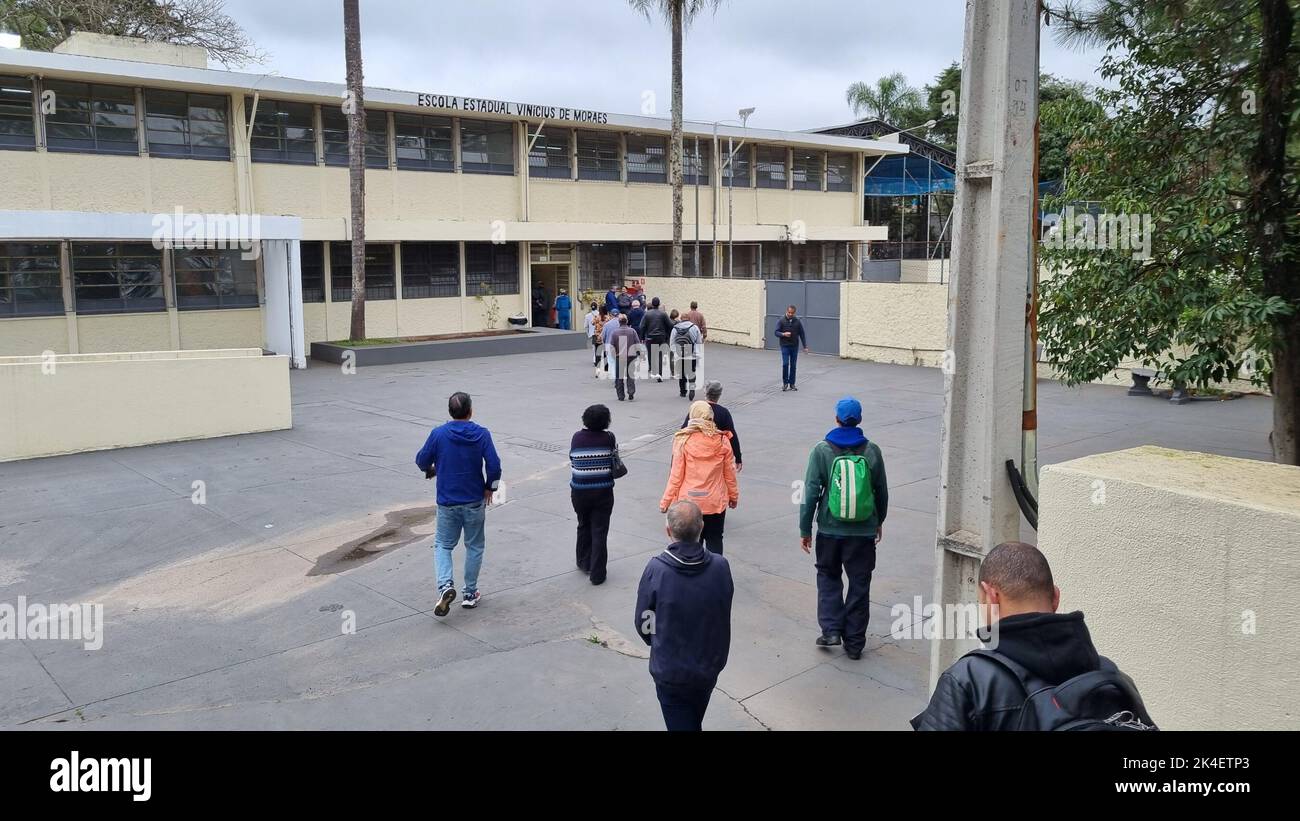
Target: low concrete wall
79, 402
1186, 566
733, 309
896, 322
531, 340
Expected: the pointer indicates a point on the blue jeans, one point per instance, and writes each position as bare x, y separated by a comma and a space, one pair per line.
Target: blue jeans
452, 520
789, 358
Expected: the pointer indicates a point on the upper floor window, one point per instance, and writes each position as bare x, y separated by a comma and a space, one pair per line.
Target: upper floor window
598, 155
736, 172
17, 117
381, 275
549, 156
178, 124
807, 170
839, 172
334, 134
30, 282
423, 143
769, 165
690, 161
647, 158
211, 278
311, 257
96, 119
117, 277
491, 268
282, 131
487, 147
430, 269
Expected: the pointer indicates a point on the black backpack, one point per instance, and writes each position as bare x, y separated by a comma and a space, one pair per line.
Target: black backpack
1102, 699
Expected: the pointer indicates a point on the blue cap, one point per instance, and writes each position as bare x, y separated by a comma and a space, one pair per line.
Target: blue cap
848, 410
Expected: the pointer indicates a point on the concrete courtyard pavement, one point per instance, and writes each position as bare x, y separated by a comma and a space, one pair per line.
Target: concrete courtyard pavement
232, 613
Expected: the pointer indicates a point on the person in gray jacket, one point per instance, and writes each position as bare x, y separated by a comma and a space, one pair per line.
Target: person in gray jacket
685, 345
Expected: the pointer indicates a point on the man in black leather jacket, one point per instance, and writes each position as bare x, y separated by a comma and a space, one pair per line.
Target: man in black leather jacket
1016, 591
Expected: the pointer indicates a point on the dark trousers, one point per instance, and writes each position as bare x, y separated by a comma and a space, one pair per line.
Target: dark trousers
658, 349
593, 508
683, 707
712, 535
837, 556
623, 378
595, 351
789, 359
685, 374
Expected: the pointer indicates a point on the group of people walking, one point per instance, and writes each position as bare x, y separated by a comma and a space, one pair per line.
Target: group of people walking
627, 337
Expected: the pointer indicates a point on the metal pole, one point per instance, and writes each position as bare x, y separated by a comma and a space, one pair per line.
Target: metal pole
731, 185
697, 204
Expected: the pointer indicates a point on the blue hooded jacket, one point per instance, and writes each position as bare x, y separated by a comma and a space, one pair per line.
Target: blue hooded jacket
459, 450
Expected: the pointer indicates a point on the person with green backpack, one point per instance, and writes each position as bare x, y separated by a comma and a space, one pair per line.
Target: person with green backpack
846, 491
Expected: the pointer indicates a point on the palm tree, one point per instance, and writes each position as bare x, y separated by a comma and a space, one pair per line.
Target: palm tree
356, 164
889, 99
679, 14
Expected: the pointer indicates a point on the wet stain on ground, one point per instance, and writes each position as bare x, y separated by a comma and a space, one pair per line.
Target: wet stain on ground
396, 532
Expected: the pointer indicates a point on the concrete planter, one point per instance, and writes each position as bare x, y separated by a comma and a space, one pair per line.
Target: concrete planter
530, 340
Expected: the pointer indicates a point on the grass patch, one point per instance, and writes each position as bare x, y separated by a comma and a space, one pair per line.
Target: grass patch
364, 343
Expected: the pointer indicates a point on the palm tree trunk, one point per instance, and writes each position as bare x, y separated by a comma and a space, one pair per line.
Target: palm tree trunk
356, 164
675, 150
1270, 210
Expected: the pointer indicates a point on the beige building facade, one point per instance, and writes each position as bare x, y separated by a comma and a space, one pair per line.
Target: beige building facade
150, 203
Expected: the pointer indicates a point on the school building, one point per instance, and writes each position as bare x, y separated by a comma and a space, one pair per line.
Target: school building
150, 203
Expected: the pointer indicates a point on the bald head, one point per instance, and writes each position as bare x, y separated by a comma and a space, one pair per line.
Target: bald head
1017, 577
684, 521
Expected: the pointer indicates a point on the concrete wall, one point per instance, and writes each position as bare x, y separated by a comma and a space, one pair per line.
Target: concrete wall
733, 308
226, 328
901, 323
34, 336
81, 402
41, 180
1186, 567
392, 318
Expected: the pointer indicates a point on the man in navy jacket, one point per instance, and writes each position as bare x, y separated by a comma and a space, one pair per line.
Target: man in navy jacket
459, 452
683, 611
789, 330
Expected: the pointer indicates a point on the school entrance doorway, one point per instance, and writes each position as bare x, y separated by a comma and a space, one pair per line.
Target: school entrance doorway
551, 267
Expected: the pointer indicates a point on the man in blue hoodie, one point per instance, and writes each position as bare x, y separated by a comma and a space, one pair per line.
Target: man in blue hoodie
458, 453
846, 543
683, 611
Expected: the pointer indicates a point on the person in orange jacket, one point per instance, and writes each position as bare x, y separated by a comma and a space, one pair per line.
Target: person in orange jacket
704, 472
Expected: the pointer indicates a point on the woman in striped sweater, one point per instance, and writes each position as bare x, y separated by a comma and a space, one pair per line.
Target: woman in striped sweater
591, 458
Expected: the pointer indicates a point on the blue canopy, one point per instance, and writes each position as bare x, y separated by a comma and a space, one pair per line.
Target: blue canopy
907, 175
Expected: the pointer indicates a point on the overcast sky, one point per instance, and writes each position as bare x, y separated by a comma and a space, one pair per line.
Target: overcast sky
791, 61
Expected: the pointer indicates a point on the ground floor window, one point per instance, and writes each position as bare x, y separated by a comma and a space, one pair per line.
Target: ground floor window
773, 260
600, 265
30, 281
381, 276
491, 268
214, 279
312, 256
430, 269
649, 260
117, 277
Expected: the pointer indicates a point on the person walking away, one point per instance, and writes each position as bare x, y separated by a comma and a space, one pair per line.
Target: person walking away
845, 489
683, 613
606, 332
789, 330
703, 471
461, 456
541, 305
1039, 669
589, 325
591, 483
563, 307
611, 300
598, 339
635, 315
696, 317
625, 348
721, 417
685, 344
655, 329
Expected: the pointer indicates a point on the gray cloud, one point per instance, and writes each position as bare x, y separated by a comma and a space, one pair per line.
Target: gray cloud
791, 61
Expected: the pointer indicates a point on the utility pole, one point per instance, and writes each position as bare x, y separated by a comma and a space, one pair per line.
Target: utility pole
984, 365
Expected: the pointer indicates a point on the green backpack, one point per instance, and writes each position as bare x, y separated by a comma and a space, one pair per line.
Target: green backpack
849, 497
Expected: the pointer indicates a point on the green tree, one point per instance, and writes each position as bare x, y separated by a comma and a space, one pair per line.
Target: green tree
1202, 98
890, 99
678, 14
43, 24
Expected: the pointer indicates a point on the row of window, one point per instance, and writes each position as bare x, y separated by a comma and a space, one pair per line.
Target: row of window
121, 277
429, 269
103, 119
602, 264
